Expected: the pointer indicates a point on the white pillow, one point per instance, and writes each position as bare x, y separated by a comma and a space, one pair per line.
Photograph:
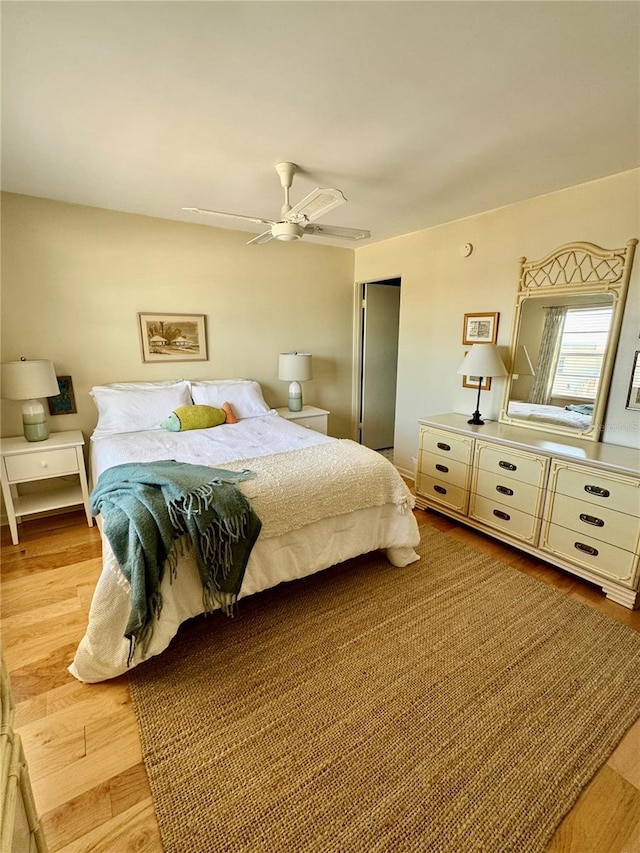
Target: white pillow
245, 396
136, 406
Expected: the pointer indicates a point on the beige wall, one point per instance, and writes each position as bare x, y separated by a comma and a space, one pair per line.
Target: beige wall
74, 278
439, 286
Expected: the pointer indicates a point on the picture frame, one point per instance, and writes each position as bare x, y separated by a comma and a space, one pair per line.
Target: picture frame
63, 403
472, 382
480, 328
172, 337
633, 397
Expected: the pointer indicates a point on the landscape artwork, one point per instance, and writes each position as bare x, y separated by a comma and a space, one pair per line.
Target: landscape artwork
173, 337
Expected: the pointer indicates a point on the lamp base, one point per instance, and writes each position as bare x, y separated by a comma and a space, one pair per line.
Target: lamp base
34, 421
295, 397
476, 419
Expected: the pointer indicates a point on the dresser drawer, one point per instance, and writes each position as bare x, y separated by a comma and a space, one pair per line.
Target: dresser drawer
447, 470
444, 493
526, 467
601, 522
46, 463
446, 444
506, 490
516, 523
620, 493
601, 557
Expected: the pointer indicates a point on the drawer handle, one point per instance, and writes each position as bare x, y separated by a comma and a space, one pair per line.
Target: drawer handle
44, 464
504, 490
440, 489
587, 549
503, 515
509, 466
443, 446
591, 519
442, 468
598, 491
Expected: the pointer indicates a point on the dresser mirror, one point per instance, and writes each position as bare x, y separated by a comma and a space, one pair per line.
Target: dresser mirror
567, 319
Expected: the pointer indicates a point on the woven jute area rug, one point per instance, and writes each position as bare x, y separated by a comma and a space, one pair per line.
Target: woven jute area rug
454, 705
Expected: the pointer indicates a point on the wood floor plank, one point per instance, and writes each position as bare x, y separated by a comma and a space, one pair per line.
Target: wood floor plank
112, 746
77, 817
626, 758
605, 819
133, 831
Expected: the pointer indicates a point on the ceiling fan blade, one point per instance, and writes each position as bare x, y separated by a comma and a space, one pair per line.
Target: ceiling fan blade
262, 238
231, 215
312, 206
337, 231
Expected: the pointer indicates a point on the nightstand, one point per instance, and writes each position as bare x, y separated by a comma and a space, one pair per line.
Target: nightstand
310, 417
24, 461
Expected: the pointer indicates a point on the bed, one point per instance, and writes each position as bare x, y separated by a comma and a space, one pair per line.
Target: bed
557, 415
321, 501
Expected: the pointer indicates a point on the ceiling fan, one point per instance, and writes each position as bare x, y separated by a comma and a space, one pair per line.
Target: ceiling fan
297, 221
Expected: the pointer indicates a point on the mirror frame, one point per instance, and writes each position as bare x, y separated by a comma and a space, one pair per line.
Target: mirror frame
574, 269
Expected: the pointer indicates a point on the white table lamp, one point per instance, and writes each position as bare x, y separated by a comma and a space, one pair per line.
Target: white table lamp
30, 381
482, 360
295, 367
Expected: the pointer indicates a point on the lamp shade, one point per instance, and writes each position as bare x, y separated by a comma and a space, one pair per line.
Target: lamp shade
294, 366
522, 363
482, 360
28, 380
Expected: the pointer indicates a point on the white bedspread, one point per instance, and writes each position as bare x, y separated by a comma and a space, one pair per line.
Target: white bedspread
275, 558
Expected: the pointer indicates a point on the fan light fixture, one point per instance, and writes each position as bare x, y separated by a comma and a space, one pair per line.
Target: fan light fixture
286, 231
295, 367
29, 381
482, 360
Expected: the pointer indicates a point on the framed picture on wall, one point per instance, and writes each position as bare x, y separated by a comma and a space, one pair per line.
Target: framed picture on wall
633, 398
480, 328
173, 337
63, 403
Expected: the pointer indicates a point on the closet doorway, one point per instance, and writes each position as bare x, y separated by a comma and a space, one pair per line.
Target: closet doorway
378, 362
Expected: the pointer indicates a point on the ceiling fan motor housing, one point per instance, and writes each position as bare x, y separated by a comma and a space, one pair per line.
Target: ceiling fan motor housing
286, 231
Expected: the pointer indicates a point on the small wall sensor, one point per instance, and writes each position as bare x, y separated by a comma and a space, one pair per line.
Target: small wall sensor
466, 250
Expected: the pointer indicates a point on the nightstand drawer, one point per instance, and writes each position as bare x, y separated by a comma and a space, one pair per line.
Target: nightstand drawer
446, 444
516, 523
525, 467
621, 493
42, 464
454, 497
317, 423
600, 557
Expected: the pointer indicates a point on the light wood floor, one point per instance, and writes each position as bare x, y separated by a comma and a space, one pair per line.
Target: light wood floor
82, 742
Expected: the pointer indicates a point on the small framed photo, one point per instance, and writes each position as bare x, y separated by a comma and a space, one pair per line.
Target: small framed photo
173, 337
63, 403
633, 398
480, 328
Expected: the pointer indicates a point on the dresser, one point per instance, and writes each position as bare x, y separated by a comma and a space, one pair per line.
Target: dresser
572, 502
60, 458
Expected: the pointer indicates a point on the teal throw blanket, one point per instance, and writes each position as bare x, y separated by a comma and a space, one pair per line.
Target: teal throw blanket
148, 506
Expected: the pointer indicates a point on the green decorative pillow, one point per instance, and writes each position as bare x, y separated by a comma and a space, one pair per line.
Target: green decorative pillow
193, 417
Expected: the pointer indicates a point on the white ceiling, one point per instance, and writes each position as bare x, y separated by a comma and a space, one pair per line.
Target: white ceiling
420, 112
